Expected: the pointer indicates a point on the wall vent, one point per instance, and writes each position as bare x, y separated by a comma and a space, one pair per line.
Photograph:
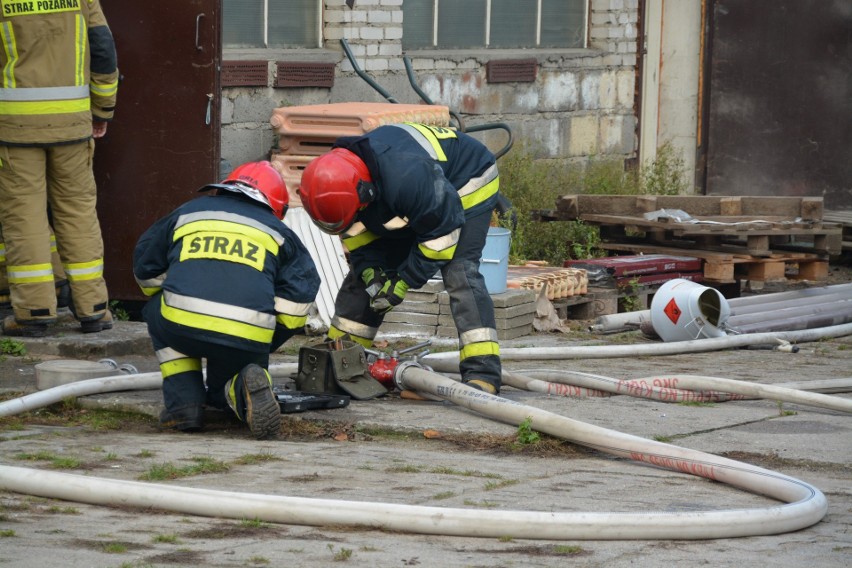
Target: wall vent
511, 71
304, 74
245, 74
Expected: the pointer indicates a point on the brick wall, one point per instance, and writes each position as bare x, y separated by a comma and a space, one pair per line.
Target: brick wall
580, 103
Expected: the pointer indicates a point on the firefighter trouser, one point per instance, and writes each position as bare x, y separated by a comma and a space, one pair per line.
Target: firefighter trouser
179, 355
55, 263
470, 303
31, 178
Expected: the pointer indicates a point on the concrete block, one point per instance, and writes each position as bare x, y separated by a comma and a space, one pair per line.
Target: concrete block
409, 307
411, 318
513, 298
407, 329
583, 139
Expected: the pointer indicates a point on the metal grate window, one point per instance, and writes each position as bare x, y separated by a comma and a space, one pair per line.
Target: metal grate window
271, 23
499, 24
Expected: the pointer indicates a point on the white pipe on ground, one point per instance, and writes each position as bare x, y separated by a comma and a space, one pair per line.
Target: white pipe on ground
805, 505
449, 361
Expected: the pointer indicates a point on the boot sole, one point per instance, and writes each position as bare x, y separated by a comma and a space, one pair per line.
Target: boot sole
263, 414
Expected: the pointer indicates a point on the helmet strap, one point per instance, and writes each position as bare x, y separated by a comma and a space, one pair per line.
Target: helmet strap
366, 192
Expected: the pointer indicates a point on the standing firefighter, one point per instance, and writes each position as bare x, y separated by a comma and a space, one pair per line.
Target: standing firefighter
59, 87
410, 200
228, 282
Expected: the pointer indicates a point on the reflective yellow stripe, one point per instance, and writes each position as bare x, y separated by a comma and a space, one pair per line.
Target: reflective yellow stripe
23, 108
3, 252
479, 350
79, 271
30, 273
359, 241
334, 333
432, 135
291, 322
11, 49
177, 366
150, 291
481, 195
283, 306
446, 254
79, 48
228, 227
213, 323
104, 89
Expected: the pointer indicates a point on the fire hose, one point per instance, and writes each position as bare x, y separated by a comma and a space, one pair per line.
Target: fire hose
804, 504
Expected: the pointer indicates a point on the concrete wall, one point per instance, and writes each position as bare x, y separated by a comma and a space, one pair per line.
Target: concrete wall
581, 103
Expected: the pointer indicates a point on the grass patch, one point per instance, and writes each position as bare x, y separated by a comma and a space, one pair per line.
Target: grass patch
201, 466
7, 533
252, 459
492, 485
55, 461
534, 183
444, 495
166, 538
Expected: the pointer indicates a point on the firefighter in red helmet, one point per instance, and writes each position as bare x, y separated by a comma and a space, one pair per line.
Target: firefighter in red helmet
410, 201
229, 283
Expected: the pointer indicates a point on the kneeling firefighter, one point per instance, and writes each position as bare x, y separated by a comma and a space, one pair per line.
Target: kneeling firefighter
409, 201
229, 283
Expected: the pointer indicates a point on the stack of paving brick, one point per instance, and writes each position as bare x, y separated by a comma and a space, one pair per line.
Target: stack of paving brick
426, 312
305, 132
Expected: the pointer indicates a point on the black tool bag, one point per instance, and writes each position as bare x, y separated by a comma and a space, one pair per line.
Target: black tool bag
337, 367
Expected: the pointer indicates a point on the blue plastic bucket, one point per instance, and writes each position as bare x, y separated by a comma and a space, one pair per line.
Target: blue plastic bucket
494, 264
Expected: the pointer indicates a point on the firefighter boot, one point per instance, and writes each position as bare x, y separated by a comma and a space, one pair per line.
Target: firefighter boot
186, 418
250, 396
482, 385
94, 326
14, 328
63, 294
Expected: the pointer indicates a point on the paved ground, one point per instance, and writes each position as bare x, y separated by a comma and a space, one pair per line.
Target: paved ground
424, 453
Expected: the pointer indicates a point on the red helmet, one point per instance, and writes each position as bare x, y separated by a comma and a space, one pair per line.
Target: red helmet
334, 187
261, 182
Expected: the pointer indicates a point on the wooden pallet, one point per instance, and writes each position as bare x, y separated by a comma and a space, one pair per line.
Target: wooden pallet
761, 225
844, 219
726, 267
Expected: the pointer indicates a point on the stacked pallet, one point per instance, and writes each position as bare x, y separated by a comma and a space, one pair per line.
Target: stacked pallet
426, 312
753, 238
305, 132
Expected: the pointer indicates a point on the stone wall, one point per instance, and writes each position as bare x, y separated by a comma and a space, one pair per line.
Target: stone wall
581, 102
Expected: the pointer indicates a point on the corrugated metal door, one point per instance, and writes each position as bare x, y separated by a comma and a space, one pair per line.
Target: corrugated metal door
780, 99
164, 141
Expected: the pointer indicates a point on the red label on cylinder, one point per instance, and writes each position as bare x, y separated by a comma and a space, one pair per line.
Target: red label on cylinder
672, 311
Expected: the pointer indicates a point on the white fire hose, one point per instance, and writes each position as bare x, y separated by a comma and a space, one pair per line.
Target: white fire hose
805, 505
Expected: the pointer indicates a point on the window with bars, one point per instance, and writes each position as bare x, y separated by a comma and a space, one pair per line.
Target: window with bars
498, 24
271, 23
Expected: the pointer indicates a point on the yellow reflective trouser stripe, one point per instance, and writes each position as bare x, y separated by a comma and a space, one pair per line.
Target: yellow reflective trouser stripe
177, 366
3, 252
479, 350
334, 333
53, 243
446, 254
79, 271
358, 241
27, 274
481, 194
291, 322
219, 325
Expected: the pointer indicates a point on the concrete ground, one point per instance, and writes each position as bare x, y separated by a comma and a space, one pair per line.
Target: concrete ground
435, 454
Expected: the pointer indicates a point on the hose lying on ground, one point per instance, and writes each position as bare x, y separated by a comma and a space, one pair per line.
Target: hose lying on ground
805, 505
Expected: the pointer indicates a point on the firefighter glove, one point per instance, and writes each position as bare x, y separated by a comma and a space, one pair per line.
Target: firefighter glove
390, 296
374, 278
